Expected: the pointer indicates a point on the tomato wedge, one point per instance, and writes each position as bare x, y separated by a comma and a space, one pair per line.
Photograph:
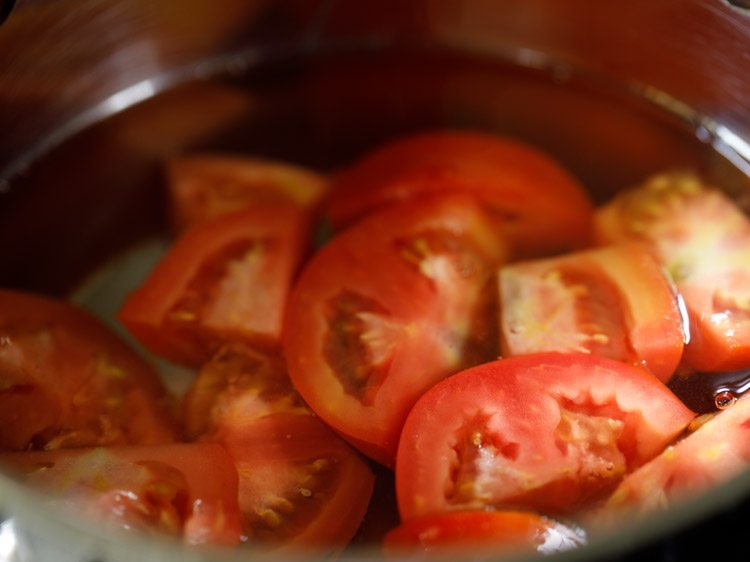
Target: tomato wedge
613, 302
718, 450
187, 490
486, 531
387, 309
544, 209
549, 432
703, 239
204, 186
223, 280
302, 488
66, 380
235, 388
300, 485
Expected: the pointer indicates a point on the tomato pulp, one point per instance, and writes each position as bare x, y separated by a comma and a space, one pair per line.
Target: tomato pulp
543, 208
703, 239
66, 380
204, 186
549, 432
187, 490
300, 485
388, 308
222, 280
614, 301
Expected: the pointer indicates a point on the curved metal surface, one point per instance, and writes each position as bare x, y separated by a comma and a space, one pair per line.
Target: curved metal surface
58, 59
6, 6
66, 64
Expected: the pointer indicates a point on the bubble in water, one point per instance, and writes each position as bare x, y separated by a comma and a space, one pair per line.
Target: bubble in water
724, 399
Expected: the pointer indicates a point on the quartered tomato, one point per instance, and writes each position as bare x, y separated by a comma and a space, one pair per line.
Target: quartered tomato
613, 302
387, 309
187, 490
550, 432
544, 209
203, 186
226, 279
301, 486
703, 239
483, 531
718, 450
235, 388
67, 381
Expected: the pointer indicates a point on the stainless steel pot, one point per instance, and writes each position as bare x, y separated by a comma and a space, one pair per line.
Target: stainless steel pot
94, 93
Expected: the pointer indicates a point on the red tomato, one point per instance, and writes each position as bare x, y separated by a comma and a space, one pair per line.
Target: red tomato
301, 485
718, 450
703, 239
203, 186
302, 488
67, 381
188, 490
549, 432
544, 209
387, 309
223, 280
235, 388
485, 531
613, 302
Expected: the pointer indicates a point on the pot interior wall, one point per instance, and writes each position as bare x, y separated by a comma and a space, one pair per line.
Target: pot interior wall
101, 190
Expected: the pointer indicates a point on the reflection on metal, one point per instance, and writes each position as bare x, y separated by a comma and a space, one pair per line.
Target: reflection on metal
129, 97
235, 63
733, 147
742, 4
685, 319
725, 141
8, 542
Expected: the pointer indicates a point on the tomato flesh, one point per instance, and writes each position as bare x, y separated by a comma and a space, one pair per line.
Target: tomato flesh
236, 387
300, 484
374, 334
204, 186
389, 307
223, 280
487, 531
67, 381
717, 451
187, 490
550, 431
703, 239
543, 208
613, 302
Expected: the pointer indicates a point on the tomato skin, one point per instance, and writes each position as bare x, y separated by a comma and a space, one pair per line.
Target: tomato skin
235, 388
225, 279
703, 239
388, 308
204, 186
613, 301
717, 451
302, 487
544, 207
500, 531
548, 431
186, 489
66, 380
719, 321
